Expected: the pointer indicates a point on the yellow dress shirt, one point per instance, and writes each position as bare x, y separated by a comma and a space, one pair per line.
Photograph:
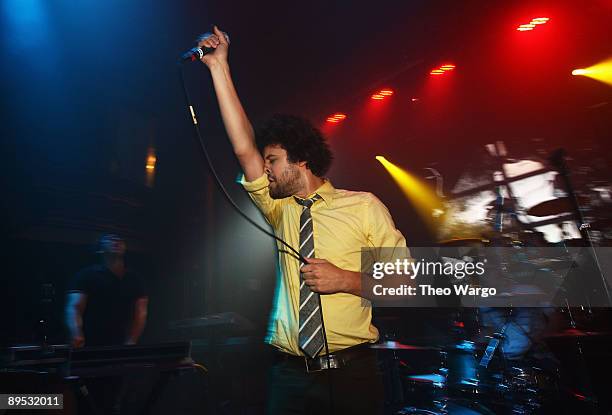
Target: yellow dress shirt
343, 222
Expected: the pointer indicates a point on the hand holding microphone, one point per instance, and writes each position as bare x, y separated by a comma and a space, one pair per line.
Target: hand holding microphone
212, 48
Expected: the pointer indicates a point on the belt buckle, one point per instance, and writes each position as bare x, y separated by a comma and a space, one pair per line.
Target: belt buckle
320, 363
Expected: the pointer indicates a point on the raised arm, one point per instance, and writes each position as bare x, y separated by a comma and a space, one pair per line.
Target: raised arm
237, 124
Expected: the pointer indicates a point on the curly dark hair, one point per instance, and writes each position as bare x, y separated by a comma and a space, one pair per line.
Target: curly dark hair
302, 141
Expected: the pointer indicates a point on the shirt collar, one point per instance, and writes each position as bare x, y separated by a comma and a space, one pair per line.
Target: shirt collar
326, 191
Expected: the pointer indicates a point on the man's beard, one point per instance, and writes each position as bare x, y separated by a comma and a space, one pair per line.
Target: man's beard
286, 185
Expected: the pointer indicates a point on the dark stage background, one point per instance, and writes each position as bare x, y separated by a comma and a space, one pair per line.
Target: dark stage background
90, 89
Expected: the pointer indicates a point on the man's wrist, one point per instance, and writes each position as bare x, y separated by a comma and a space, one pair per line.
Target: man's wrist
353, 282
218, 66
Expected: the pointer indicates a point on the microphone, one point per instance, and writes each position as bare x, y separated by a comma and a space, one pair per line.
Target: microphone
196, 53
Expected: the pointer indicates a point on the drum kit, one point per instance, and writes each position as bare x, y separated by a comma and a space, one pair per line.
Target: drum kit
478, 372
454, 380
476, 377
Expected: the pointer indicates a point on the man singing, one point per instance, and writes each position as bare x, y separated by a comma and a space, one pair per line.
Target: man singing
329, 227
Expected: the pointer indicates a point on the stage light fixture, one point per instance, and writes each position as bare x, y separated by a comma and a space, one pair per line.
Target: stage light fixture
601, 71
525, 27
151, 160
442, 69
382, 94
336, 118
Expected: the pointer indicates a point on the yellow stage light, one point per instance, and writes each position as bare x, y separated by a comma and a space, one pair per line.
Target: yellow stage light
601, 71
422, 196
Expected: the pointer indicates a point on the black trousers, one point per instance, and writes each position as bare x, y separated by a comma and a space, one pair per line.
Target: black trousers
356, 388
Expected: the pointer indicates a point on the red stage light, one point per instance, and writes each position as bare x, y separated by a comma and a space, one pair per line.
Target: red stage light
532, 24
336, 118
382, 94
440, 70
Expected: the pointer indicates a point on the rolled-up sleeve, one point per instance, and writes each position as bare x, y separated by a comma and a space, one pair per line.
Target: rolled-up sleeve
382, 233
82, 282
259, 192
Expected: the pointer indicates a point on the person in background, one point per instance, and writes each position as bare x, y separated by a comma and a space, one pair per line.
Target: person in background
106, 303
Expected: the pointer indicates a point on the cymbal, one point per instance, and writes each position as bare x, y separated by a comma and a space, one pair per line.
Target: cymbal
519, 294
577, 333
552, 263
553, 207
393, 345
434, 378
461, 242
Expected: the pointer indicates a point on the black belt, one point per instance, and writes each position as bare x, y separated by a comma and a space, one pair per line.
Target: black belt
334, 360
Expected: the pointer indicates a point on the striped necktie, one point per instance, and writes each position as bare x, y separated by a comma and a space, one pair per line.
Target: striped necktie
310, 333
